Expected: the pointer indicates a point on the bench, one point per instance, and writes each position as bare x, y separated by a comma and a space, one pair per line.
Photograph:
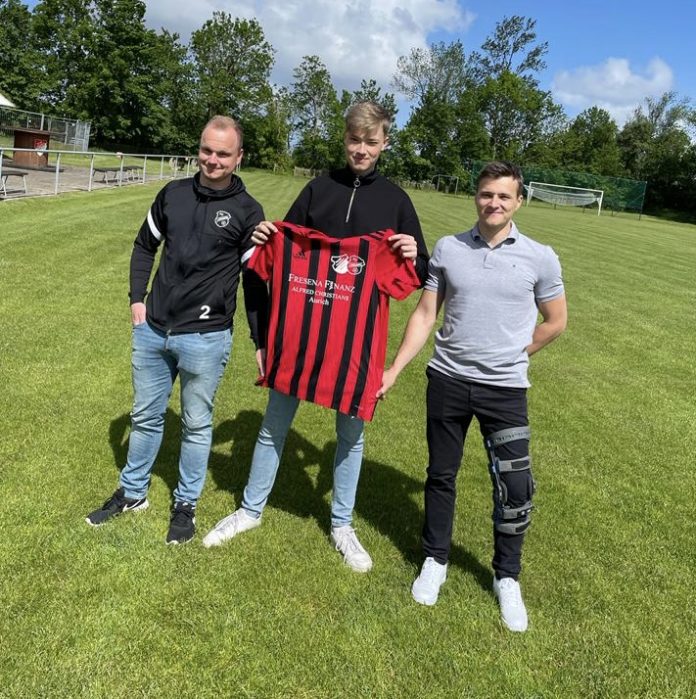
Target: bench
128, 172
9, 172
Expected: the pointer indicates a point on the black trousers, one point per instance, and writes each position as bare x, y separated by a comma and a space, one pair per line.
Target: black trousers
451, 405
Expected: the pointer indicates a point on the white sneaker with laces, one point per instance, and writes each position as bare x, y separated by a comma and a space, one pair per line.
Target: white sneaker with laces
346, 542
512, 609
426, 587
239, 521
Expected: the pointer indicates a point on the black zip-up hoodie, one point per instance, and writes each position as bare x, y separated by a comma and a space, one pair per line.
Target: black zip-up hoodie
342, 204
205, 233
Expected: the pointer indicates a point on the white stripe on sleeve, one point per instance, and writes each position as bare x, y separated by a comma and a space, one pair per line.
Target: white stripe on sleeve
247, 255
153, 228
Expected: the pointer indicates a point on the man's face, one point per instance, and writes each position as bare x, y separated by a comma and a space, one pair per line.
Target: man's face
364, 148
496, 202
219, 155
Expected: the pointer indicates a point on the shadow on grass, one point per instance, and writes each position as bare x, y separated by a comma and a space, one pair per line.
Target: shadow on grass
387, 498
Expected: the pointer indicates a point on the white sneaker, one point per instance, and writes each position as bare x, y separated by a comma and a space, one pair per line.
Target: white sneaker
239, 521
512, 609
354, 555
426, 587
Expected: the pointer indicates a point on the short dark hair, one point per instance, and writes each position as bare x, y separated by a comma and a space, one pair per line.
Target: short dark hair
501, 168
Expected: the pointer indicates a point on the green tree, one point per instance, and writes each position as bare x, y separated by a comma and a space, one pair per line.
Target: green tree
517, 115
64, 32
317, 116
656, 146
510, 50
19, 61
233, 62
441, 70
267, 137
444, 127
590, 143
119, 95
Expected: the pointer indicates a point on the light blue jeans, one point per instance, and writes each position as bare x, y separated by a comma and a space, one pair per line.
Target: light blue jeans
199, 361
269, 448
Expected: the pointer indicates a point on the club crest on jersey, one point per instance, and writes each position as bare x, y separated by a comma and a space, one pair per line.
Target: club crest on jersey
351, 264
222, 218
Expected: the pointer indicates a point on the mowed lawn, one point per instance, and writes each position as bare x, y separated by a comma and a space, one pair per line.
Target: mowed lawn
609, 566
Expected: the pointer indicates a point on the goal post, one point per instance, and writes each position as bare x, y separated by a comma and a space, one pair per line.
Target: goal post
564, 195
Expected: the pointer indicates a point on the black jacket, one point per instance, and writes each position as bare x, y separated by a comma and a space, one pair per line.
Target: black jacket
342, 205
205, 233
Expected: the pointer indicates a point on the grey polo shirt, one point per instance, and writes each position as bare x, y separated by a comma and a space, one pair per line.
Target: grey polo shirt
490, 297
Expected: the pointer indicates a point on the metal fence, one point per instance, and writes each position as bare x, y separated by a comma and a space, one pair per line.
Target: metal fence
70, 133
55, 171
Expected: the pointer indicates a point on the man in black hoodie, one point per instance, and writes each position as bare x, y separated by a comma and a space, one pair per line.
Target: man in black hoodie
348, 202
184, 326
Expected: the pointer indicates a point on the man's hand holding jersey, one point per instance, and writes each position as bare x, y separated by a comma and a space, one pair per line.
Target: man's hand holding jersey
263, 232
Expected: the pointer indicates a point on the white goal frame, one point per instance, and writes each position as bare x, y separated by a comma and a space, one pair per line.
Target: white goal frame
561, 190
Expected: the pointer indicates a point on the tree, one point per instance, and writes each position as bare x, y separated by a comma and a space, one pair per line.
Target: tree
440, 70
19, 63
510, 50
317, 116
516, 114
64, 32
119, 95
267, 138
656, 146
233, 63
590, 143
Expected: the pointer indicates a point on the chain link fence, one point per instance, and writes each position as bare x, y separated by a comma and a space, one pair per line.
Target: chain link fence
64, 133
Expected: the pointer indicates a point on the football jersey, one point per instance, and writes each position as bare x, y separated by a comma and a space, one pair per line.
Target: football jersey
329, 315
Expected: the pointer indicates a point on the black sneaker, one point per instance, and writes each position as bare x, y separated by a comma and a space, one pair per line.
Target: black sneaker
182, 525
114, 506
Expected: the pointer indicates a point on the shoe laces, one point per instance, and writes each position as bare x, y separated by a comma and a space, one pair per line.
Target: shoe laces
347, 540
510, 590
117, 500
230, 524
430, 572
182, 514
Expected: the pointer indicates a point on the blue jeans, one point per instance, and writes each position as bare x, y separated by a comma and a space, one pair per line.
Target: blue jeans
269, 448
199, 360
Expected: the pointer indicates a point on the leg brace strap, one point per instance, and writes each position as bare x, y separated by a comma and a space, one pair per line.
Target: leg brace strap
502, 512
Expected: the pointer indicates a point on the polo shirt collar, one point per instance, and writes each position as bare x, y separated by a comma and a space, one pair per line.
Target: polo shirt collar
512, 236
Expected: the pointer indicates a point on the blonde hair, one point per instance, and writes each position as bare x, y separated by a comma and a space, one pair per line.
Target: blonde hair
225, 122
366, 116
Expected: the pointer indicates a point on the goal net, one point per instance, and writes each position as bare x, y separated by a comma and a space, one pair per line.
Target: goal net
563, 195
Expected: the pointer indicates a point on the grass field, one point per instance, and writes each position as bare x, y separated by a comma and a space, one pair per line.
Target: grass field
609, 566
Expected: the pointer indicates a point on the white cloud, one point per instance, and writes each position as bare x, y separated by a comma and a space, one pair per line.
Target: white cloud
612, 85
356, 39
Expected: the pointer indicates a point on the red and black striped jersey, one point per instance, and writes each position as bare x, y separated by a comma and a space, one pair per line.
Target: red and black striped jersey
329, 315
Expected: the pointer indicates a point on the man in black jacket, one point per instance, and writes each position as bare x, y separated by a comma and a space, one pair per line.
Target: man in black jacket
351, 201
184, 328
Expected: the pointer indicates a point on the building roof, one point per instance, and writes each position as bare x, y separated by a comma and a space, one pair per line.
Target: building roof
4, 102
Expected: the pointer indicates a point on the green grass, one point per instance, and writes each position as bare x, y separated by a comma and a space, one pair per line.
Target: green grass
609, 567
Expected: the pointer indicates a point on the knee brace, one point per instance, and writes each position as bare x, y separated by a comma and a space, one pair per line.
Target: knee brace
512, 482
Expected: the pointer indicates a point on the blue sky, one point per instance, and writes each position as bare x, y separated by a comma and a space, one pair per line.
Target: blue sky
612, 54
645, 40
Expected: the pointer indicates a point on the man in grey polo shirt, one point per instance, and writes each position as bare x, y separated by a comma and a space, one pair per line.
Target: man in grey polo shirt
494, 282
